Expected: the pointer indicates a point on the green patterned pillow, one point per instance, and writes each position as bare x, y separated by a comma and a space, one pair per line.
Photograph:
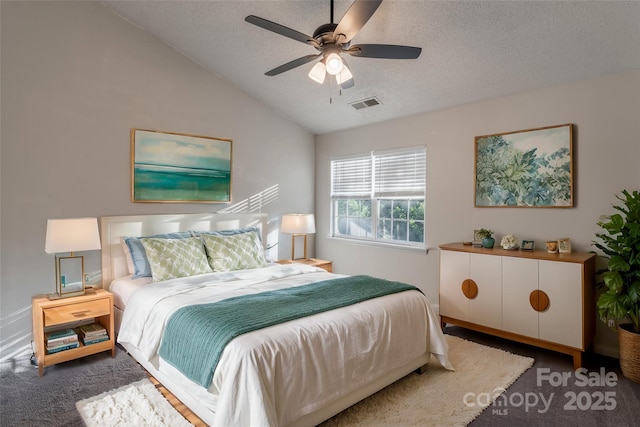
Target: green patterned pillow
171, 258
234, 252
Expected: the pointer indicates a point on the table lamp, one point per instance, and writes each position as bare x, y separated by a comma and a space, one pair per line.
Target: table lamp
71, 235
298, 225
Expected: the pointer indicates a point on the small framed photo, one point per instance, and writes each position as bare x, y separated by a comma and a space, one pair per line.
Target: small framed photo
527, 245
564, 245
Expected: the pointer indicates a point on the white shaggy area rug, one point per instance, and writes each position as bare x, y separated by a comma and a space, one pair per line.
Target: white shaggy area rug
439, 397
436, 398
136, 404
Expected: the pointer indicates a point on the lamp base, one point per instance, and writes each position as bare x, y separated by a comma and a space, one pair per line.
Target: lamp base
54, 296
293, 246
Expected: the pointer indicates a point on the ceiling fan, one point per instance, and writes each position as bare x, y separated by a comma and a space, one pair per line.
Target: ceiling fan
332, 40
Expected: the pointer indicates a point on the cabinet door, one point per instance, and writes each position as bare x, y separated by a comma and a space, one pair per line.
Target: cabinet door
486, 308
454, 269
562, 321
519, 279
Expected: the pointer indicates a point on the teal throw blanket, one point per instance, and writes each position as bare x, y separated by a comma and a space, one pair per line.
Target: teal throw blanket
195, 336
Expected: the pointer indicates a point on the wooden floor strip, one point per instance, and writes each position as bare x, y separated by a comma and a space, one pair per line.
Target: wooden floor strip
177, 404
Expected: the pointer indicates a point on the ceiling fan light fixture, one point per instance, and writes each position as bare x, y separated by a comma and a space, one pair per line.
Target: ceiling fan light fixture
344, 75
318, 72
334, 64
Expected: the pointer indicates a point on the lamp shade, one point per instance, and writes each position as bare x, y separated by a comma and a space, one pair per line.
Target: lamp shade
72, 235
318, 72
298, 224
344, 75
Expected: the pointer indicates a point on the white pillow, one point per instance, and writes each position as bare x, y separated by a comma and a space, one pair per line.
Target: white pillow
127, 255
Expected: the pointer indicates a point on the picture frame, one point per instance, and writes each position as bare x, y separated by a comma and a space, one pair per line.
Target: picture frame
169, 167
527, 245
564, 245
530, 168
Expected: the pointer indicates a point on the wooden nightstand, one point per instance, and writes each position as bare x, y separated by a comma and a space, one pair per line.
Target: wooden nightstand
64, 313
321, 263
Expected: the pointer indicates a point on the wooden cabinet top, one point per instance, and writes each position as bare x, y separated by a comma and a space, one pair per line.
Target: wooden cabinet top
578, 257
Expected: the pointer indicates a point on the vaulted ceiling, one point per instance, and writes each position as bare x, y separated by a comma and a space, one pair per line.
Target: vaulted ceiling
471, 50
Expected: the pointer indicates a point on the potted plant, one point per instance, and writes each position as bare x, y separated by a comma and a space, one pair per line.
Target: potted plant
620, 301
487, 240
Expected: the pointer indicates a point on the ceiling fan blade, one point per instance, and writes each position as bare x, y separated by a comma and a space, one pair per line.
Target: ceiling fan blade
355, 18
281, 29
293, 64
388, 51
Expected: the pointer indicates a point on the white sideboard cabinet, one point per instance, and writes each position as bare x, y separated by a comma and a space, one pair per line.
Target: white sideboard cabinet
534, 297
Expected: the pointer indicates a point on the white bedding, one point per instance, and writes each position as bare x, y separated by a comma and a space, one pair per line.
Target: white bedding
278, 374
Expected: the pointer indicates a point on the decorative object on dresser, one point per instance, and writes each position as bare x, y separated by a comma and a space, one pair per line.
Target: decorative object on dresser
526, 168
298, 225
71, 235
552, 246
509, 242
620, 243
564, 245
54, 322
179, 168
485, 237
527, 245
533, 297
315, 262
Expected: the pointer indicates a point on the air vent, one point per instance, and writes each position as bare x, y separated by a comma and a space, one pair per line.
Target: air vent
366, 103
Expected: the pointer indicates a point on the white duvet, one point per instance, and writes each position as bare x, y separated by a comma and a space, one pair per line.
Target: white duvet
273, 376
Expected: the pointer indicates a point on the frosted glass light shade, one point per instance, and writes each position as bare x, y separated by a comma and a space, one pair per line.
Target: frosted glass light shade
334, 64
298, 224
344, 76
318, 72
72, 235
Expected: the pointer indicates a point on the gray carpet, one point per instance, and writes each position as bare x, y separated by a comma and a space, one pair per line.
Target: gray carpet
29, 400
625, 394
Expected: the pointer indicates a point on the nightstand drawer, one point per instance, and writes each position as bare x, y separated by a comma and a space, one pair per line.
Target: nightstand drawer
78, 311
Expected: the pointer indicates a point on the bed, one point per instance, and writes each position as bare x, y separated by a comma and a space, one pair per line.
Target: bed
301, 371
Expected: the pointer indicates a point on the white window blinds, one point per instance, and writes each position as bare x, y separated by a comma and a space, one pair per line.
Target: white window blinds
400, 173
389, 173
351, 177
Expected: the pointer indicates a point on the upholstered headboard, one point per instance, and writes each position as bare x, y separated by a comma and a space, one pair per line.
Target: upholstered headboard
114, 263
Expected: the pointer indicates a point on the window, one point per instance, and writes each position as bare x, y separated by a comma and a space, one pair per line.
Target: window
379, 197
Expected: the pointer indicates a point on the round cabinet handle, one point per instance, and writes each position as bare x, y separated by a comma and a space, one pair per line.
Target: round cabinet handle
469, 288
539, 300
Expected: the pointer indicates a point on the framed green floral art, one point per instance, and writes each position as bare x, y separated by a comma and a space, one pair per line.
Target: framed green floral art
527, 168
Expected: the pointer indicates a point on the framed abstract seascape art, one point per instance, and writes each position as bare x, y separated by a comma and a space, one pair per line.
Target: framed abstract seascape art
170, 167
528, 168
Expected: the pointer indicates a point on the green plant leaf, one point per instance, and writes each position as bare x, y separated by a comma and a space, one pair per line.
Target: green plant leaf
634, 292
613, 281
620, 243
618, 263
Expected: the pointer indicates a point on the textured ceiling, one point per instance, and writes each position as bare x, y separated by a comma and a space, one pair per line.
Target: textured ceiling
471, 50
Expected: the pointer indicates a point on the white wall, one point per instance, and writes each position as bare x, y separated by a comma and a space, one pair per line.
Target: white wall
74, 79
606, 115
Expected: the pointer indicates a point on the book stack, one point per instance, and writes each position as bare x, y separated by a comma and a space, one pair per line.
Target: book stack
93, 333
61, 340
